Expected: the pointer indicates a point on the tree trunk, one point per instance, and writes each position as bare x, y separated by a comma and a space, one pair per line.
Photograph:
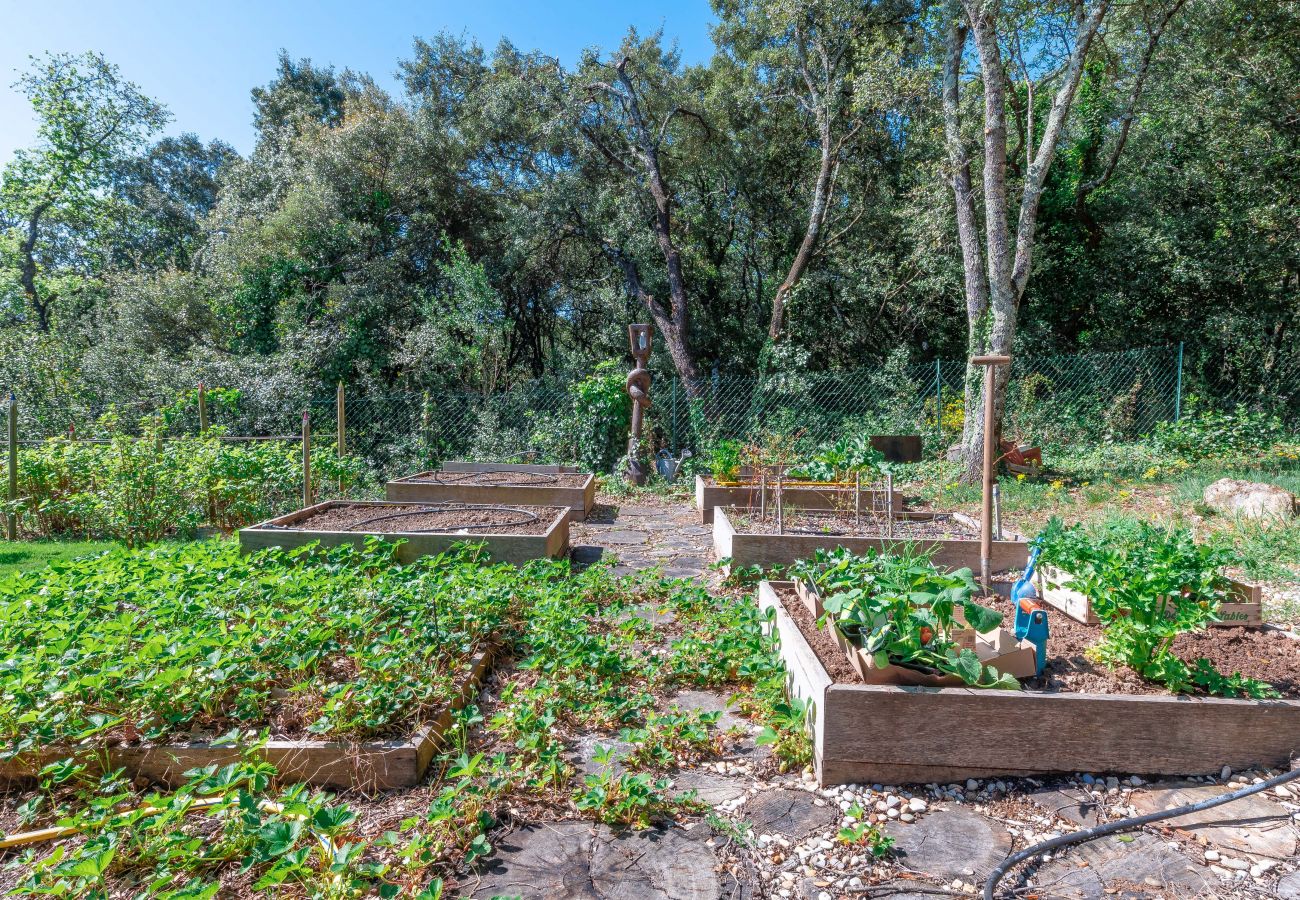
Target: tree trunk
27, 269
816, 219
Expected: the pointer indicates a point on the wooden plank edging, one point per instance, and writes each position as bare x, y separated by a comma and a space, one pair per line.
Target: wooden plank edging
768, 550
579, 500
509, 548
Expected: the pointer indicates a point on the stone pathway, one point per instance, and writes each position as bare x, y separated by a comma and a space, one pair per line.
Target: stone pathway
772, 835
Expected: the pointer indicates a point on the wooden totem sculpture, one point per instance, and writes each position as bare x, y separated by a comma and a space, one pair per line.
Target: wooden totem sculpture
638, 388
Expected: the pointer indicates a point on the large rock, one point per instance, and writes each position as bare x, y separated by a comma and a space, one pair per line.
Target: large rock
1250, 499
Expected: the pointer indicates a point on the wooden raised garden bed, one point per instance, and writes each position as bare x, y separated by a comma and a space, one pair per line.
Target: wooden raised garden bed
920, 735
511, 487
710, 494
546, 535
370, 766
748, 548
1246, 610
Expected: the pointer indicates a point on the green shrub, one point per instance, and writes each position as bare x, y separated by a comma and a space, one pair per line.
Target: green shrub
1148, 584
1205, 433
594, 433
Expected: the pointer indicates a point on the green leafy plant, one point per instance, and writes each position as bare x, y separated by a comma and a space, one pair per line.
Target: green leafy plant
1148, 584
842, 461
723, 459
622, 798
900, 608
1202, 433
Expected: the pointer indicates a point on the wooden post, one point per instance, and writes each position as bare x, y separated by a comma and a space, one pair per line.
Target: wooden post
11, 523
203, 409
889, 505
341, 414
990, 448
306, 459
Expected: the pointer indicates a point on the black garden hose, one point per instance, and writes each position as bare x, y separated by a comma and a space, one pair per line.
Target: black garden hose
1088, 834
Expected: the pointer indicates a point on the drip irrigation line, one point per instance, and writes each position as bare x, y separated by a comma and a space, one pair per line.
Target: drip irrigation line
1125, 824
528, 518
517, 479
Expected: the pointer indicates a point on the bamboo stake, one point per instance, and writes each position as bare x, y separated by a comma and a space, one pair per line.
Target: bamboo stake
889, 504
11, 523
306, 459
857, 499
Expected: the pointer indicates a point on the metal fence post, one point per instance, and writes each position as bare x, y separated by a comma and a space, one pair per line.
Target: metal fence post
306, 459
11, 523
341, 415
938, 402
673, 427
1178, 386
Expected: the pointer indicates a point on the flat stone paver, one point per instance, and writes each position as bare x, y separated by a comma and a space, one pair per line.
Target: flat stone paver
950, 844
593, 862
1071, 804
1249, 825
789, 813
624, 537
1089, 871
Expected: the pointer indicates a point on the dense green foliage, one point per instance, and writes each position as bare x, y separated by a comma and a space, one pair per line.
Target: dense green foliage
195, 637
491, 222
174, 641
1148, 584
140, 488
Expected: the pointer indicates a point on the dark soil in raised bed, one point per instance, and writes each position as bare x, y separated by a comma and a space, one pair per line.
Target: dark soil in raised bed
501, 479
836, 524
1267, 655
441, 518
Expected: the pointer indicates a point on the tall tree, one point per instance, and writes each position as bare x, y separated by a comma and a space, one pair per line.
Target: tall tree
998, 264
88, 117
835, 65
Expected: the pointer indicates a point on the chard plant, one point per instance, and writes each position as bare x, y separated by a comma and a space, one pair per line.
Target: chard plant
1148, 584
903, 610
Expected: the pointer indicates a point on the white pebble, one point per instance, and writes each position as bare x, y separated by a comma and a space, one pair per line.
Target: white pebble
1225, 773
1212, 855
916, 805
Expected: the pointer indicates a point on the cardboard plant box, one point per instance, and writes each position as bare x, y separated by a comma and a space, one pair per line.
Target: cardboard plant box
1245, 610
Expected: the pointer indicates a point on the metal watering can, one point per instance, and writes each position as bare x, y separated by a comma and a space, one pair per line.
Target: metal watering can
666, 465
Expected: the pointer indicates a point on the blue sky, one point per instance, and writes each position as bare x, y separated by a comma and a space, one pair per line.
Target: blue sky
201, 59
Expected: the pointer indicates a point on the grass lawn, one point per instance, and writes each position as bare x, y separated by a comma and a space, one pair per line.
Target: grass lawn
22, 556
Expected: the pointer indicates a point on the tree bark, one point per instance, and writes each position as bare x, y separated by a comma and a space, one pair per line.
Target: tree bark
1007, 258
27, 269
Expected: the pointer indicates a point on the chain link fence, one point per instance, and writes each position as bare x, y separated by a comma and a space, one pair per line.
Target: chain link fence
1060, 400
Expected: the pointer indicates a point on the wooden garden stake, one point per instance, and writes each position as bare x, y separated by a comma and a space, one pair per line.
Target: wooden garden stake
11, 523
762, 493
889, 504
857, 499
780, 517
997, 513
306, 459
342, 427
986, 517
638, 388
203, 409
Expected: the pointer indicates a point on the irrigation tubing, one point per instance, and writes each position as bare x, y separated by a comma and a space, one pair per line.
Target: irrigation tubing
529, 518
516, 479
1125, 824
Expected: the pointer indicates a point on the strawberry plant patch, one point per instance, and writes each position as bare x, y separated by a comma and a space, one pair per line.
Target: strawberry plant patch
195, 644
